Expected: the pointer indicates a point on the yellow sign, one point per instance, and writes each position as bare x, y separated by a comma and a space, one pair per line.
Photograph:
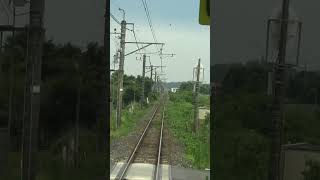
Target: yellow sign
204, 14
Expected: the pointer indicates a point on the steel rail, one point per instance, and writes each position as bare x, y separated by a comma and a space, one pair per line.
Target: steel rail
138, 144
160, 147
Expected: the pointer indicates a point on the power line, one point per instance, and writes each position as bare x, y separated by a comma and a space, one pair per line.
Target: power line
115, 19
150, 21
149, 61
145, 5
135, 38
154, 36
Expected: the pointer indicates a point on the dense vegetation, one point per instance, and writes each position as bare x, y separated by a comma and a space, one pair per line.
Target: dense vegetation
132, 89
242, 119
60, 80
132, 109
179, 116
188, 86
65, 69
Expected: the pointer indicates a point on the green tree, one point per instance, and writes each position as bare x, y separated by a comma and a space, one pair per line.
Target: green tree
186, 86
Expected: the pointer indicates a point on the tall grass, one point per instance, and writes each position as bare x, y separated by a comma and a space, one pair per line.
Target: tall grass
179, 116
128, 120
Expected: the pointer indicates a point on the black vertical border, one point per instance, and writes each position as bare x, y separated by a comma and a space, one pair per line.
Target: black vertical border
212, 98
107, 54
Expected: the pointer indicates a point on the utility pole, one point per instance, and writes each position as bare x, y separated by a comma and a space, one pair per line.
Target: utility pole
278, 101
120, 73
12, 81
32, 89
155, 80
143, 78
151, 71
76, 154
121, 65
112, 93
158, 84
196, 99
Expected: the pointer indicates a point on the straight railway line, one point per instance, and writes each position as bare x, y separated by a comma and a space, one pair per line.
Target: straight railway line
149, 148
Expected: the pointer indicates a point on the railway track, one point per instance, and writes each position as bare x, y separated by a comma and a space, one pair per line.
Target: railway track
149, 148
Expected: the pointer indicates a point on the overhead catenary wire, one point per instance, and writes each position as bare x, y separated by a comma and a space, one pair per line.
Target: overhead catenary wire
145, 5
146, 9
152, 29
149, 22
135, 38
133, 31
115, 19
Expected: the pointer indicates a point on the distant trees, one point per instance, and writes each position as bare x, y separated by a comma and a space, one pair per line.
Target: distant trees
188, 86
132, 88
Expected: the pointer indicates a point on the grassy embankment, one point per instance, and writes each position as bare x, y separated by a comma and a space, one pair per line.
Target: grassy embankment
128, 119
179, 116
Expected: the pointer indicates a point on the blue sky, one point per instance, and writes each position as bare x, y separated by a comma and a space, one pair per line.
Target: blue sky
175, 24
162, 12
